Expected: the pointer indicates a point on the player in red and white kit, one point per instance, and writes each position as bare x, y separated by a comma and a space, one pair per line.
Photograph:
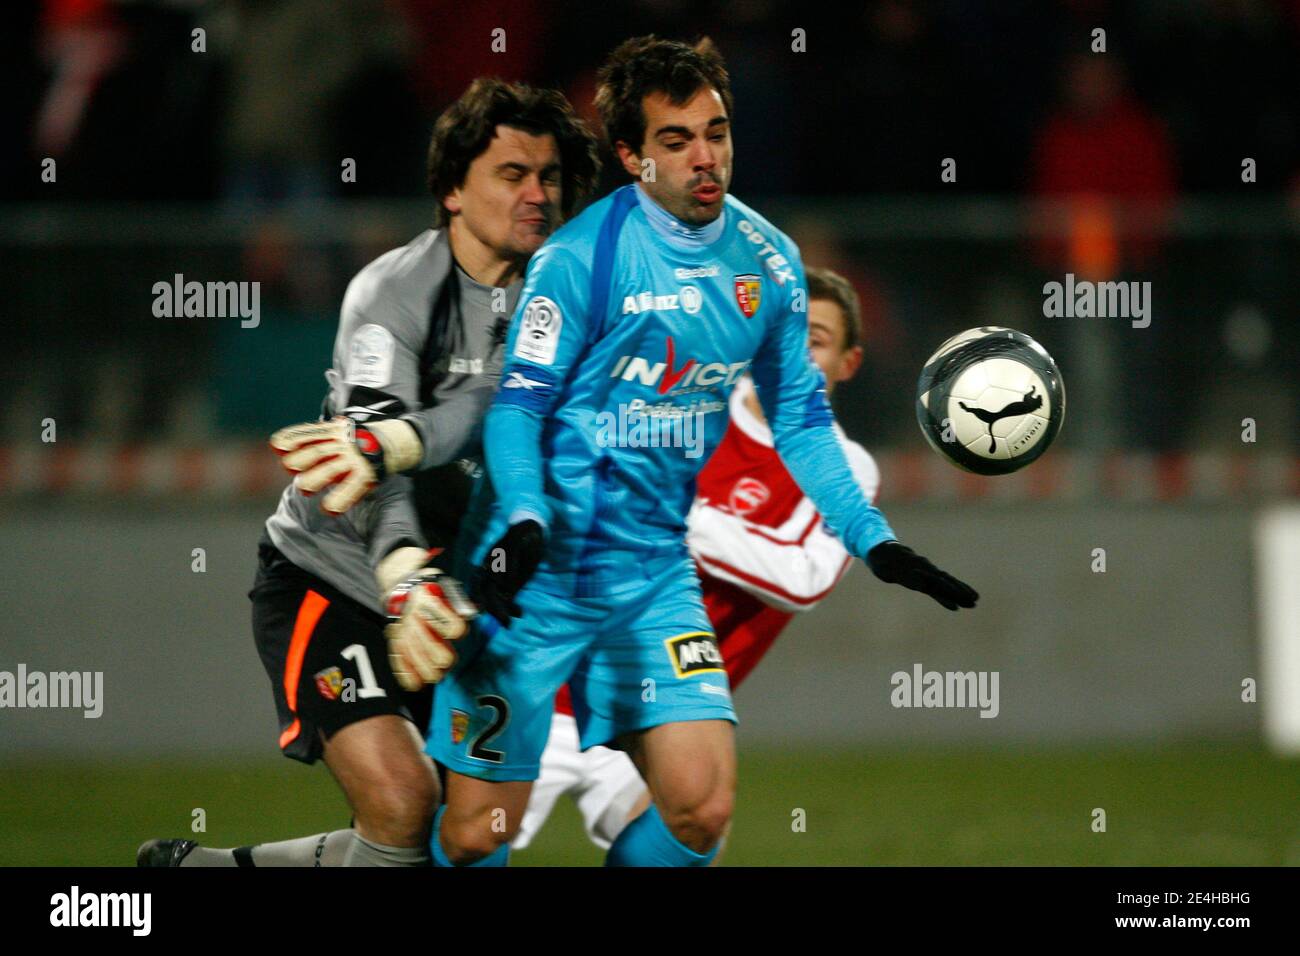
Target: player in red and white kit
762, 553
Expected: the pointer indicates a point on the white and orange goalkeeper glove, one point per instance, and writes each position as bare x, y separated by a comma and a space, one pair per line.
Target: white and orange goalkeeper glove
352, 456
427, 610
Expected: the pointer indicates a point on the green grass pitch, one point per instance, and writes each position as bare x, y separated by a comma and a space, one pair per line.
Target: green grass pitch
1215, 805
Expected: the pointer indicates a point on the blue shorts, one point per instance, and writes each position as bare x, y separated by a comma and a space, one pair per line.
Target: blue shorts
638, 653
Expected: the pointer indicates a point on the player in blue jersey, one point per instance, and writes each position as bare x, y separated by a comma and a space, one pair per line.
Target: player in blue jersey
635, 322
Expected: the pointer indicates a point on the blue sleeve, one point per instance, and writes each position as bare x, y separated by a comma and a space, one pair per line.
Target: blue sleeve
792, 391
548, 334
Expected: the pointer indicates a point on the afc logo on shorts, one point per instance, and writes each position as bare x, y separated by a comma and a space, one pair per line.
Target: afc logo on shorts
694, 653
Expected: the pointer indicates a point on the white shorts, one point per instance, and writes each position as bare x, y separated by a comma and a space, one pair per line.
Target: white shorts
604, 783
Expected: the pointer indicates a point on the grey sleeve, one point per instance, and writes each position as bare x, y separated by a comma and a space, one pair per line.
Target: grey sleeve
386, 519
379, 345
454, 425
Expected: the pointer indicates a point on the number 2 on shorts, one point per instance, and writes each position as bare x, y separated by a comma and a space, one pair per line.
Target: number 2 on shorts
500, 717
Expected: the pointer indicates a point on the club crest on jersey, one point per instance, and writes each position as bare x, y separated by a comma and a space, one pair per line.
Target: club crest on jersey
694, 653
459, 724
330, 683
749, 294
747, 495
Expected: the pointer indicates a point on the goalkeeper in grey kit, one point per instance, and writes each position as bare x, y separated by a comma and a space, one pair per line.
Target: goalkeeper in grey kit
416, 362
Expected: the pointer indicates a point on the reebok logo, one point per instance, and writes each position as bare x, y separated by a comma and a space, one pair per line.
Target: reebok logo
519, 380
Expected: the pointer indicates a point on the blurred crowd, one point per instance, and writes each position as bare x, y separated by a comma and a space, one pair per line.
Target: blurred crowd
259, 119
117, 92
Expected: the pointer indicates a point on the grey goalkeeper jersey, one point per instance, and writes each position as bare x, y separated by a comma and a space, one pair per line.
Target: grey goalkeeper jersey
415, 327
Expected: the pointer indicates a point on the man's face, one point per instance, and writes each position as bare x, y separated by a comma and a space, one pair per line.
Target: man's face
827, 335
691, 148
510, 200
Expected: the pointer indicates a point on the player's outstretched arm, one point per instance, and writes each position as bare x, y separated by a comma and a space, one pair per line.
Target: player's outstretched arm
347, 455
816, 461
792, 391
378, 349
896, 563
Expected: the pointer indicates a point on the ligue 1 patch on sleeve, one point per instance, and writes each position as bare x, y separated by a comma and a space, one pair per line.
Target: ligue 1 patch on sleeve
370, 357
539, 333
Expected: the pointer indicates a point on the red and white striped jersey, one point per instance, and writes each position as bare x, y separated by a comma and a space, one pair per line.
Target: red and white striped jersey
761, 549
760, 546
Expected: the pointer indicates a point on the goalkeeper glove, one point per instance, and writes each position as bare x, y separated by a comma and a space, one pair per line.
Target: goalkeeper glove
508, 566
427, 610
895, 563
345, 453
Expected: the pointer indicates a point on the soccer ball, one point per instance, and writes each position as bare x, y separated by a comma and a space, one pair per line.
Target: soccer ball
990, 400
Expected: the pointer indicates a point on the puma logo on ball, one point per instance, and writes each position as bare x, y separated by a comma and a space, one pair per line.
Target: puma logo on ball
1029, 403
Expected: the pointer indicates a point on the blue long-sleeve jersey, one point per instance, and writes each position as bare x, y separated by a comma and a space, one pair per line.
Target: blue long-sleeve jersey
631, 331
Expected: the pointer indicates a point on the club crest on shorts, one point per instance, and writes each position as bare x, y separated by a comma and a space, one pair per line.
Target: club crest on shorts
695, 652
749, 294
330, 683
459, 724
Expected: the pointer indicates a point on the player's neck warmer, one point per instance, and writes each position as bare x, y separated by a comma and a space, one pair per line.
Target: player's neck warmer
674, 230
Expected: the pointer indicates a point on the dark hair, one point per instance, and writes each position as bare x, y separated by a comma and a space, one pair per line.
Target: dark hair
645, 65
466, 128
833, 287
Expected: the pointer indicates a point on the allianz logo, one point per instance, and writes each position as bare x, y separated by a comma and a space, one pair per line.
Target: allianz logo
688, 298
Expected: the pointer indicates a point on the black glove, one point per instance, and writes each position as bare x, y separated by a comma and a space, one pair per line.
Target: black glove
507, 567
896, 563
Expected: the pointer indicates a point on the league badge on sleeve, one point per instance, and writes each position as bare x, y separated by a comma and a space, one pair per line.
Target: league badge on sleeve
370, 357
539, 333
749, 294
